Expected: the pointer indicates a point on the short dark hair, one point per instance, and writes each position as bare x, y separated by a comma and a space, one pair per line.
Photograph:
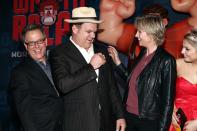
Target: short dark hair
31, 27
156, 9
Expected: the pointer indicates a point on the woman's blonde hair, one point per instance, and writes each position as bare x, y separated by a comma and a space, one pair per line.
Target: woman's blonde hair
153, 25
191, 37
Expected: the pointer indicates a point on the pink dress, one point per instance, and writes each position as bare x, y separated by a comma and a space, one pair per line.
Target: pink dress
186, 98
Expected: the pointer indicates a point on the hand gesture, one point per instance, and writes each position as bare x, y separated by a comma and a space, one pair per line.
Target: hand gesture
126, 8
97, 60
182, 5
114, 55
175, 119
190, 125
120, 125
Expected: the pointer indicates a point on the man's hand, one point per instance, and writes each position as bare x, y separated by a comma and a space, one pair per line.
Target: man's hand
97, 60
120, 125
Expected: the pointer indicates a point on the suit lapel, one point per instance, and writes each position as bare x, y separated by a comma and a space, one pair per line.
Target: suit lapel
37, 69
76, 54
79, 57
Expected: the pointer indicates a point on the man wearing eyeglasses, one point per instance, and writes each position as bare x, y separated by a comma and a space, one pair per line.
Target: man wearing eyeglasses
37, 100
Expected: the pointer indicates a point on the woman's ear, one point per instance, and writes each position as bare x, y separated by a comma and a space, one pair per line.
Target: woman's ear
165, 22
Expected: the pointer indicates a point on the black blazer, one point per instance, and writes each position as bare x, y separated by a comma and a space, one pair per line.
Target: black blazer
76, 79
38, 105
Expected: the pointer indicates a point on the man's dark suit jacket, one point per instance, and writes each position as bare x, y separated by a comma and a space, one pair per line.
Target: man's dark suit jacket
38, 105
76, 79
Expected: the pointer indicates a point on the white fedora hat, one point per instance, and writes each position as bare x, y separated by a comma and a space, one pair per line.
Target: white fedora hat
83, 15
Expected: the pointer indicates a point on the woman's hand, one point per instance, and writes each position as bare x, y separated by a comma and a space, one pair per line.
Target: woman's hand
175, 119
190, 125
114, 55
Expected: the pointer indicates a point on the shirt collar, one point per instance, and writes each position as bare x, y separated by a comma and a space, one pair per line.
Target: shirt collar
81, 48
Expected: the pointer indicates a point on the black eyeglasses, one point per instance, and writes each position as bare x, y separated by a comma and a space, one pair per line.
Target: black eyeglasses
33, 43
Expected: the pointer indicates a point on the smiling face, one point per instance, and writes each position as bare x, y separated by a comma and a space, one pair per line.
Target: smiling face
84, 34
189, 52
144, 38
151, 30
35, 44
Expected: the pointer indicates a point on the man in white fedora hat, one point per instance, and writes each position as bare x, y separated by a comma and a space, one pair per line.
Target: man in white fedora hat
83, 74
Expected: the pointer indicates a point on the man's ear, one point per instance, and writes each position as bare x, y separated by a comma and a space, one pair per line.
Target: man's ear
75, 29
46, 41
25, 46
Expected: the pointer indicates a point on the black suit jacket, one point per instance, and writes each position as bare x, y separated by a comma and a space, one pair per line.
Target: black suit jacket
38, 105
76, 79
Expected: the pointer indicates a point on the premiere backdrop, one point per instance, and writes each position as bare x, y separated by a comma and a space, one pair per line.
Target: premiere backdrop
15, 14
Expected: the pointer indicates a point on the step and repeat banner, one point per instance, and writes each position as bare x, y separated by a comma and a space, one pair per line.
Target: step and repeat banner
16, 14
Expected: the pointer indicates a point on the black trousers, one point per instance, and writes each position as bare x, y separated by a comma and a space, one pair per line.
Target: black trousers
107, 126
134, 123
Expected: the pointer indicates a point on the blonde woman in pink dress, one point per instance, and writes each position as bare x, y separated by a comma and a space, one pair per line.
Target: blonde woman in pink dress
186, 85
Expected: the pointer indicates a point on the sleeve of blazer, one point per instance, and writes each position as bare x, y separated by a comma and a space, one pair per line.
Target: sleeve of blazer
168, 93
115, 96
22, 99
64, 79
122, 71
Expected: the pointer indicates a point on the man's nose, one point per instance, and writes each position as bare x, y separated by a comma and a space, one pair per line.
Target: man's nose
36, 44
93, 35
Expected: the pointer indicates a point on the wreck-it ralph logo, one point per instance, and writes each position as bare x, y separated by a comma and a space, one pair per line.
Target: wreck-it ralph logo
45, 12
